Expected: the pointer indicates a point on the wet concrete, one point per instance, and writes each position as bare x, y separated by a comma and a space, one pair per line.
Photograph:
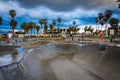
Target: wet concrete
10, 54
66, 62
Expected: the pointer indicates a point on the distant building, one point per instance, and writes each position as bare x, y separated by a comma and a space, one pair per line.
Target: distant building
20, 33
9, 35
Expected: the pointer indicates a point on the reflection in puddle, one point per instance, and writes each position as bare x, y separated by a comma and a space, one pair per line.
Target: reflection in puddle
11, 57
14, 56
118, 45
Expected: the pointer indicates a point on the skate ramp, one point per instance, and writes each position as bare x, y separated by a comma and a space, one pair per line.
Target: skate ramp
103, 63
67, 62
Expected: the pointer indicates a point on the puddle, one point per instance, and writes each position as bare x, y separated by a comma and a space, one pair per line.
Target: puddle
9, 57
118, 45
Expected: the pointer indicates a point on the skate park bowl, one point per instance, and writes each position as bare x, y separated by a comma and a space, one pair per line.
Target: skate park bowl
10, 54
66, 61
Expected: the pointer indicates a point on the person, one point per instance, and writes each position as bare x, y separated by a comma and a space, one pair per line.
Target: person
10, 35
78, 39
63, 35
82, 37
112, 38
8, 41
71, 36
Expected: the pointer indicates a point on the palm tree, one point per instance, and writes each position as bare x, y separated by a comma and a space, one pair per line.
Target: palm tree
60, 30
114, 24
41, 22
51, 28
74, 23
78, 29
34, 27
118, 1
96, 20
91, 30
31, 26
1, 20
44, 22
45, 28
13, 24
101, 21
25, 27
54, 30
12, 13
59, 21
74, 27
68, 30
37, 29
71, 29
100, 16
86, 28
108, 14
0, 23
54, 22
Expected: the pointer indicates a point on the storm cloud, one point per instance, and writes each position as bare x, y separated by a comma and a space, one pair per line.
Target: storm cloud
81, 11
66, 5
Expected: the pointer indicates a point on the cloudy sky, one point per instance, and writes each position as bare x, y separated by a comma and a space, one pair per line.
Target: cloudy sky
81, 11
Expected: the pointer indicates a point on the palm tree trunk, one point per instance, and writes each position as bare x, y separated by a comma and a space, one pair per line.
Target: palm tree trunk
101, 27
37, 33
31, 32
41, 27
98, 27
41, 31
58, 29
106, 29
27, 32
52, 32
34, 31
13, 33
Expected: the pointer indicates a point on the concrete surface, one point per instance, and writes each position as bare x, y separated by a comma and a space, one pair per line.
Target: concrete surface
67, 62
